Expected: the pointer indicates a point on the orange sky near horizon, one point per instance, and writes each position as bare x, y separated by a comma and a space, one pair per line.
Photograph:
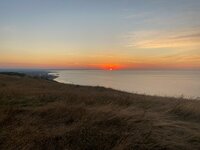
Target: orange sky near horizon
171, 62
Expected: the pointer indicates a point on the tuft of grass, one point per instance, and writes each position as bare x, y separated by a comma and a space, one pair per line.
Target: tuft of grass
187, 110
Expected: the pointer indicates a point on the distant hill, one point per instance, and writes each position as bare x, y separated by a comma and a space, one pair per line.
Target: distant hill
13, 74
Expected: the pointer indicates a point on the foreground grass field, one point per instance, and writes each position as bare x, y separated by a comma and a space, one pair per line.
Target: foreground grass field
41, 114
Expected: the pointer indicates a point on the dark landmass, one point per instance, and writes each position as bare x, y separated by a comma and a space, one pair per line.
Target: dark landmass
36, 113
34, 73
13, 74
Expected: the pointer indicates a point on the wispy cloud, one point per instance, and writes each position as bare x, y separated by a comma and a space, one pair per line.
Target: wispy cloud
164, 39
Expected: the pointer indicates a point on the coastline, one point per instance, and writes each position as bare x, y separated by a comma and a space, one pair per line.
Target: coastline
54, 75
51, 75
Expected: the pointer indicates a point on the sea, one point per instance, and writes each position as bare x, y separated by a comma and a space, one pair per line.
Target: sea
150, 82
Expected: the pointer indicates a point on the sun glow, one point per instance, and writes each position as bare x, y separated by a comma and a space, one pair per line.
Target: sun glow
111, 67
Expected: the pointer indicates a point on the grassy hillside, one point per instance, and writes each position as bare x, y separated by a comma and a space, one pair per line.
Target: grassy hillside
42, 114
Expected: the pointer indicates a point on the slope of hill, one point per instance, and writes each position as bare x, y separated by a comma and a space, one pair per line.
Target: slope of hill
42, 114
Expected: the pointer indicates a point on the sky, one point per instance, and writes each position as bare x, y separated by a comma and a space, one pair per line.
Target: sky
100, 34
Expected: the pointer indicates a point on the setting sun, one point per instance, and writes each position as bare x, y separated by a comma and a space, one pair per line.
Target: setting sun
111, 67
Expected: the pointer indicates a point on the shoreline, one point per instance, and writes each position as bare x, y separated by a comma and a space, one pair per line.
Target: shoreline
49, 75
53, 77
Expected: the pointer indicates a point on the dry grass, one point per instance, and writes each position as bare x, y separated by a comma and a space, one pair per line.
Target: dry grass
42, 114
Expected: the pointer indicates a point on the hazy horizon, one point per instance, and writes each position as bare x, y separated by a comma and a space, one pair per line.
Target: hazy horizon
129, 69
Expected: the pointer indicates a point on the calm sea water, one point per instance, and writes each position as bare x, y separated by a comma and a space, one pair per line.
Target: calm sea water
163, 83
